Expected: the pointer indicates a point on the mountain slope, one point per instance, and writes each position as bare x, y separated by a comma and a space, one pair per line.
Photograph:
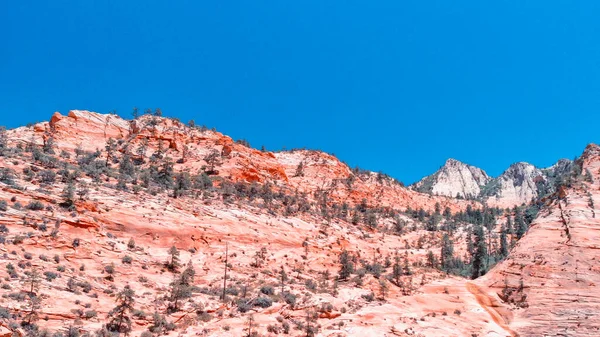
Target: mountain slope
92, 203
551, 276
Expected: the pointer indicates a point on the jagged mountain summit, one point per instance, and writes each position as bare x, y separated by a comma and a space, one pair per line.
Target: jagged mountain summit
520, 183
454, 179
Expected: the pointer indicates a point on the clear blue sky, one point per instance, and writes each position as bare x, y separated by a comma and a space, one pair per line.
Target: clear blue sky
397, 86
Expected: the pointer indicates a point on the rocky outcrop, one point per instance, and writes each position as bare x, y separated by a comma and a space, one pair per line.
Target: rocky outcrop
547, 285
454, 179
551, 277
519, 184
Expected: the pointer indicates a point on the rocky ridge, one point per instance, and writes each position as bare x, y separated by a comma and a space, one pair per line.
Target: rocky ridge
84, 252
454, 179
519, 184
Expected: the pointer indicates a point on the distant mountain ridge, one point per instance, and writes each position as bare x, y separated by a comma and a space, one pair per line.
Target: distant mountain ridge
454, 179
520, 183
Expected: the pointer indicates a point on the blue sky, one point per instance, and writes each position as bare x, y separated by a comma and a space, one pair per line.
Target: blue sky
396, 86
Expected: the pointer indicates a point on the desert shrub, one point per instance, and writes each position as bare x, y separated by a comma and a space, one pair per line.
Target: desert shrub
90, 314
35, 205
47, 177
289, 298
368, 297
263, 302
7, 176
267, 290
243, 305
50, 275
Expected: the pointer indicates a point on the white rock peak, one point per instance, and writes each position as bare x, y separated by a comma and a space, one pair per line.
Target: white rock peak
453, 179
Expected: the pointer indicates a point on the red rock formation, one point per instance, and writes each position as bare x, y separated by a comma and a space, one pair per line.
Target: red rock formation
555, 261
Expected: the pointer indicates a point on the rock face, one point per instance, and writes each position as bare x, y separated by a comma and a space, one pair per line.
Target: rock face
551, 277
102, 217
89, 246
454, 179
519, 184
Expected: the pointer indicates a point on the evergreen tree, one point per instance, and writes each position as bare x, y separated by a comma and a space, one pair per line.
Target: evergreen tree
347, 267
31, 284
119, 319
173, 262
165, 173
299, 170
521, 226
182, 184
283, 278
399, 225
503, 243
68, 195
3, 141
406, 267
355, 218
431, 259
397, 270
480, 254
509, 225
111, 147
447, 253
141, 151
371, 219
126, 167
181, 288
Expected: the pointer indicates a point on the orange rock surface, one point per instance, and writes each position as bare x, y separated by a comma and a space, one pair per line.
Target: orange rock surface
554, 262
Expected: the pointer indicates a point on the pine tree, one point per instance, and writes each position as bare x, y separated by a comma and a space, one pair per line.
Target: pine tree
68, 195
126, 167
3, 141
347, 267
397, 270
383, 288
447, 253
431, 259
503, 243
119, 319
480, 254
406, 267
111, 147
299, 170
173, 262
165, 173
520, 224
31, 284
509, 225
141, 151
283, 278
355, 218
181, 288
399, 225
